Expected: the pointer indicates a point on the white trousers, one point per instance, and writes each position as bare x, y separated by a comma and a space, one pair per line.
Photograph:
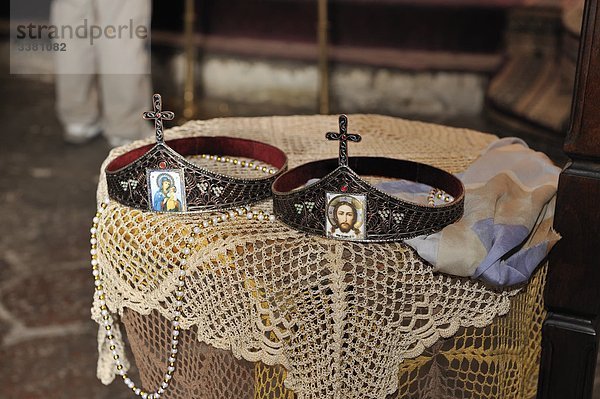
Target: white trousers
93, 82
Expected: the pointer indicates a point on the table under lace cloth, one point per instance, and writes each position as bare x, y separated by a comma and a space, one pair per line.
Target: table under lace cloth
269, 312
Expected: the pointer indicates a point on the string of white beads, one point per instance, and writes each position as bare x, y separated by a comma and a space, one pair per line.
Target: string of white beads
244, 164
107, 319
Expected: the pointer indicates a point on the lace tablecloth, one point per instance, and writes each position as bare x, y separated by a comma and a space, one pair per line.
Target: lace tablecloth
270, 312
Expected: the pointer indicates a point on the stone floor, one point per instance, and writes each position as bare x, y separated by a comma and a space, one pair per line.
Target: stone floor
48, 195
48, 341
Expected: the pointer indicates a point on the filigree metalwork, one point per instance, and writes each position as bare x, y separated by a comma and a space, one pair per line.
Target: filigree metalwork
343, 136
388, 218
159, 116
205, 190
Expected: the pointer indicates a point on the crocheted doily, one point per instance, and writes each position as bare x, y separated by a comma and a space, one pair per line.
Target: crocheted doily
340, 317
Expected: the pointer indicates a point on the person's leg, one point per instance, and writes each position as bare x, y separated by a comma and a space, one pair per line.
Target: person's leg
76, 82
125, 96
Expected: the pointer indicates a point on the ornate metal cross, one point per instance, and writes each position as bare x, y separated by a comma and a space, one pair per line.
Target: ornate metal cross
158, 115
343, 136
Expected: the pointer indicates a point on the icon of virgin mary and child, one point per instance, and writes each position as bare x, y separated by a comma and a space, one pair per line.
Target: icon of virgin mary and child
165, 196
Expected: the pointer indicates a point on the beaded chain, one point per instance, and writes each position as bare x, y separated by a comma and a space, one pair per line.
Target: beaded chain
249, 164
107, 318
439, 194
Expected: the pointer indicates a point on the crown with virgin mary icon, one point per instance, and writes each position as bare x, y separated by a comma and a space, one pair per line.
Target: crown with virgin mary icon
158, 177
341, 205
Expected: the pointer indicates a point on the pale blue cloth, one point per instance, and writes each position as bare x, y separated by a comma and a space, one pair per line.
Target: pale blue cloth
506, 230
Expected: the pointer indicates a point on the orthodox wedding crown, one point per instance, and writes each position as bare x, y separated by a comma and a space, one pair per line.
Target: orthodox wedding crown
341, 205
158, 177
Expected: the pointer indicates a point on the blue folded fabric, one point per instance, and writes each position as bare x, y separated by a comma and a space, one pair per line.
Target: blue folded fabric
506, 230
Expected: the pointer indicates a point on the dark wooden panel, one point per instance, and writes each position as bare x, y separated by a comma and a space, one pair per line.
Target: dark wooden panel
584, 140
462, 26
468, 29
574, 273
288, 20
569, 338
568, 358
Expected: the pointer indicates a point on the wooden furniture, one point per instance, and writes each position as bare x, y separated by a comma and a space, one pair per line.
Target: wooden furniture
569, 335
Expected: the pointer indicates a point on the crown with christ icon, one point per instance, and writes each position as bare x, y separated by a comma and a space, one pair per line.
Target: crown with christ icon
341, 205
160, 177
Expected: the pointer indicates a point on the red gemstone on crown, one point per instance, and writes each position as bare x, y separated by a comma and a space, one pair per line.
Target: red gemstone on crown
344, 137
157, 115
344, 188
162, 164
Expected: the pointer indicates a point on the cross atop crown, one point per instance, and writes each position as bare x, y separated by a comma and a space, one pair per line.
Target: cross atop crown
158, 115
343, 136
